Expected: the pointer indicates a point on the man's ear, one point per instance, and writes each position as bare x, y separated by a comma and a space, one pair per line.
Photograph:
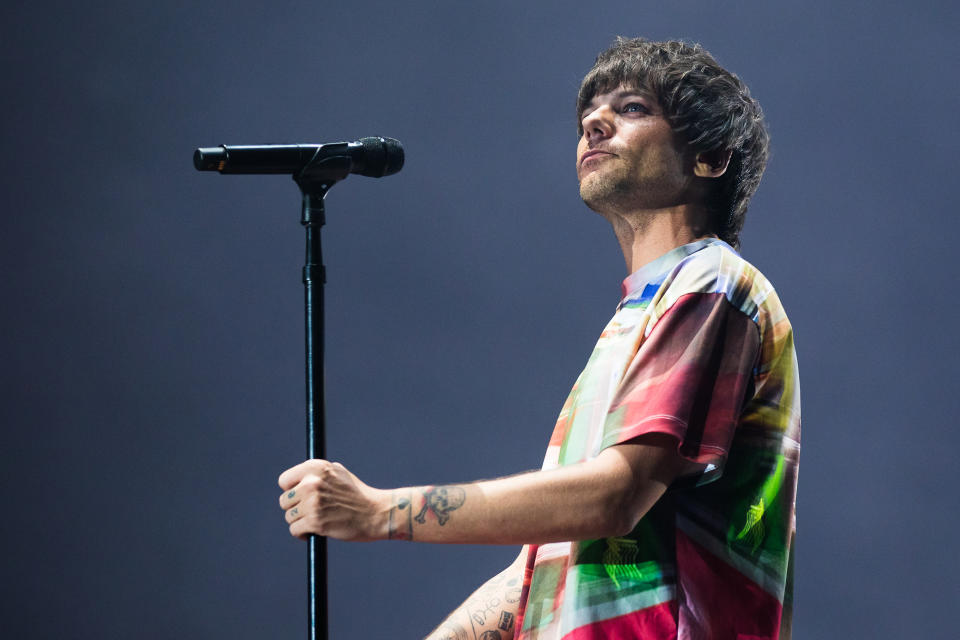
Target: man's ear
712, 164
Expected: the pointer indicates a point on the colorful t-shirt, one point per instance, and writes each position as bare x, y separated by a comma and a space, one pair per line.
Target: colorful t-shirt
699, 348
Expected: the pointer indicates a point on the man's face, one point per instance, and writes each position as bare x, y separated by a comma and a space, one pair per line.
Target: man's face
628, 158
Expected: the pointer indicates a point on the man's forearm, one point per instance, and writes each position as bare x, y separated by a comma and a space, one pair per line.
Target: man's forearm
536, 507
602, 497
489, 613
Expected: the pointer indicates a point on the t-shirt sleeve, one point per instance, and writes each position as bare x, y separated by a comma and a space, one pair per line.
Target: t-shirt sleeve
689, 379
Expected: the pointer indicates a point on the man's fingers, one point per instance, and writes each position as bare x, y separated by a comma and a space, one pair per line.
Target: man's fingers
293, 514
299, 530
289, 478
291, 497
305, 520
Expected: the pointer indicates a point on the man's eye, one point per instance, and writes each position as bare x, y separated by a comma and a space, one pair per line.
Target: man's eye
634, 107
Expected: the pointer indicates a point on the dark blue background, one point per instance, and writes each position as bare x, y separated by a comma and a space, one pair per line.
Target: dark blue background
152, 381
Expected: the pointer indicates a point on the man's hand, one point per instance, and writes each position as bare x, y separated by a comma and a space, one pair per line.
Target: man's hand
325, 499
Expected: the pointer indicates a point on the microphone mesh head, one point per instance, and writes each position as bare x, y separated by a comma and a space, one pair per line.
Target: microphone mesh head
382, 156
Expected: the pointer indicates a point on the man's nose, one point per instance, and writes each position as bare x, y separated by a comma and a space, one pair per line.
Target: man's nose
598, 124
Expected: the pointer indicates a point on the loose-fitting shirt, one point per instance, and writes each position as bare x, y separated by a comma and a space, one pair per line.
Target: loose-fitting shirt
699, 348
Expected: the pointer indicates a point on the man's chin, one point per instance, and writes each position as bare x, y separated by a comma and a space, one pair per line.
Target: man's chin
599, 195
592, 190
595, 205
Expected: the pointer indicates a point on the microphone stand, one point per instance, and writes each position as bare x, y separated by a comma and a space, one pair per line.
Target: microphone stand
330, 164
314, 180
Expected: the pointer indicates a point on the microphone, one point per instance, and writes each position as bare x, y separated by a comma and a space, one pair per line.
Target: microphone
374, 157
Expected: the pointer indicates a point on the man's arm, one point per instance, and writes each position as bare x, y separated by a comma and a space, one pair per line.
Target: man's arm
490, 613
599, 498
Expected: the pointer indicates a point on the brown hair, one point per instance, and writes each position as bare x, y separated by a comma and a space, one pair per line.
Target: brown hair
707, 106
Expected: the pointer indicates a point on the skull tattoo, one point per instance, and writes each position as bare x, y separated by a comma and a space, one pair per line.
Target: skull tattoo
441, 500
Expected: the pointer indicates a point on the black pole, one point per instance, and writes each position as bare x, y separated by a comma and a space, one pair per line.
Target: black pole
314, 181
314, 278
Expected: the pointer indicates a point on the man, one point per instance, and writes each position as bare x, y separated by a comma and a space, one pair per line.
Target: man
665, 506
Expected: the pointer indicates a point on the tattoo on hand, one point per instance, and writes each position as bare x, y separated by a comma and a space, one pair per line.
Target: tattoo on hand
400, 526
291, 494
441, 501
490, 635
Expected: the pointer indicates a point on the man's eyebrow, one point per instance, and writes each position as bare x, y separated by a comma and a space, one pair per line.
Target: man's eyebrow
639, 93
623, 93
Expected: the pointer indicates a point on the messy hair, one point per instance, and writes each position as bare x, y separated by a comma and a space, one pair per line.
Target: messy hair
708, 107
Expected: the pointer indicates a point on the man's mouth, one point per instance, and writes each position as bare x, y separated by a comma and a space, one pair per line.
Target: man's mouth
592, 154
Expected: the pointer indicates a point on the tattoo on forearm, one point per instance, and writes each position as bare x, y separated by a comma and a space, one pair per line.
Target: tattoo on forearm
441, 501
452, 631
497, 580
480, 608
512, 595
486, 610
506, 620
400, 525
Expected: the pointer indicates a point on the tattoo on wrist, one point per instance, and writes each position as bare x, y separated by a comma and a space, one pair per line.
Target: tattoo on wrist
441, 501
400, 526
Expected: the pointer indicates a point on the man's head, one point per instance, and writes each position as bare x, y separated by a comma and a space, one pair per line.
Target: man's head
709, 110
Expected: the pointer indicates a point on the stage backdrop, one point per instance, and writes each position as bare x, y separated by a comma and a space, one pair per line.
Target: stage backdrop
152, 373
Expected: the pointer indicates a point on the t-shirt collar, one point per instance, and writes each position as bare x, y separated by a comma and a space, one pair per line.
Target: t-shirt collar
657, 267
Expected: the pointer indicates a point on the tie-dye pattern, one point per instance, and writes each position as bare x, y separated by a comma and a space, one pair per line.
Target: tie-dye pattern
699, 348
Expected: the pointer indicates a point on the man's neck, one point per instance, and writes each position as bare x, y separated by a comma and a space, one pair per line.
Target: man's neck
647, 235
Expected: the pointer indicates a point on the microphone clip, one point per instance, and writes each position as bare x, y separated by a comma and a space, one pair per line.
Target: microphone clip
315, 179
319, 175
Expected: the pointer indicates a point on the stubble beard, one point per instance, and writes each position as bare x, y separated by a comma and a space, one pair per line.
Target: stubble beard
609, 192
625, 190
